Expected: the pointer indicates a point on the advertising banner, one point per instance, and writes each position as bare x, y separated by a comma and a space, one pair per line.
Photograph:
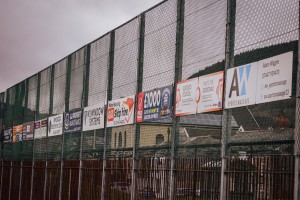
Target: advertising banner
241, 86
73, 121
93, 117
28, 130
274, 78
155, 104
121, 111
187, 97
17, 133
55, 125
40, 129
7, 135
211, 92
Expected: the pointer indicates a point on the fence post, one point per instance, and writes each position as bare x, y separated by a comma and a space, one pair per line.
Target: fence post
2, 143
139, 88
50, 114
227, 113
21, 166
85, 95
36, 113
6, 124
297, 126
6, 100
67, 103
107, 131
177, 78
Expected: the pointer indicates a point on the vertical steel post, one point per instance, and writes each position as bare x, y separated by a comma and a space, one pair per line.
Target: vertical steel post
67, 105
297, 125
2, 117
177, 78
10, 172
85, 96
21, 167
1, 128
227, 113
107, 131
50, 114
139, 88
7, 102
36, 116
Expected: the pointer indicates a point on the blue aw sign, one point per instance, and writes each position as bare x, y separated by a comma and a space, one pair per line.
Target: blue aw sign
241, 86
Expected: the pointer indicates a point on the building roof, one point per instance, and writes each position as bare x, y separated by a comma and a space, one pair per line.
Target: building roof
200, 120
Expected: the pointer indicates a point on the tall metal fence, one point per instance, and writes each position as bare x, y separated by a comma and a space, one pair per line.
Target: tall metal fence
248, 152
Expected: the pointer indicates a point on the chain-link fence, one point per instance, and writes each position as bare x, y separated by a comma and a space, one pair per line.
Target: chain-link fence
239, 149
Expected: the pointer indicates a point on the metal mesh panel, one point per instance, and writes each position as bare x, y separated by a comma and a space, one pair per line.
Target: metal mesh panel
10, 107
98, 70
32, 94
155, 140
40, 149
265, 23
200, 134
72, 145
59, 87
159, 50
93, 144
19, 103
2, 105
122, 137
120, 142
125, 60
44, 98
54, 145
16, 151
263, 30
204, 37
27, 150
76, 81
7, 151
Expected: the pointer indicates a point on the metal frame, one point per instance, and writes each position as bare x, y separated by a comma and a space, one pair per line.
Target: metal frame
227, 113
177, 78
107, 131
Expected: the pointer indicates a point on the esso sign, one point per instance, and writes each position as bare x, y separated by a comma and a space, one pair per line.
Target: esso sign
152, 99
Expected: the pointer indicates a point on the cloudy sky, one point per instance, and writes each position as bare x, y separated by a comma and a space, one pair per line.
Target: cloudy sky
36, 33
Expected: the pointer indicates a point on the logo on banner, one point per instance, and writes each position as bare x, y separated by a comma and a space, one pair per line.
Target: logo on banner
166, 102
140, 111
128, 111
219, 91
238, 83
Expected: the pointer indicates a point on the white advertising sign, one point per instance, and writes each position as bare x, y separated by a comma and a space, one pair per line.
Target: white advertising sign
274, 78
93, 117
211, 92
55, 125
187, 96
241, 86
121, 111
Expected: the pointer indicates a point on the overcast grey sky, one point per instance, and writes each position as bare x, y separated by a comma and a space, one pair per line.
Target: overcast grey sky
36, 33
